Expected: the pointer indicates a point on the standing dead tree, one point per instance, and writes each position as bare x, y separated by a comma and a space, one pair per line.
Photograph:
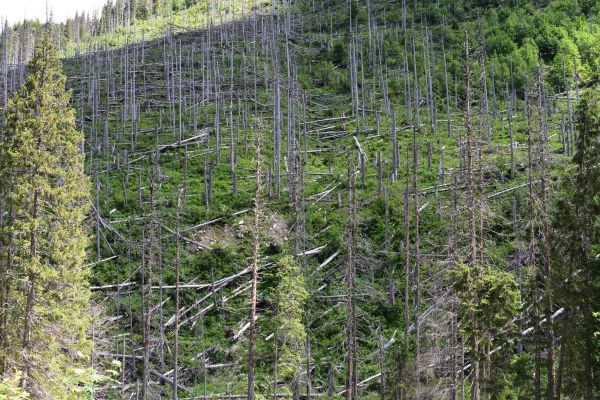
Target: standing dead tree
148, 262
471, 232
547, 268
255, 259
351, 364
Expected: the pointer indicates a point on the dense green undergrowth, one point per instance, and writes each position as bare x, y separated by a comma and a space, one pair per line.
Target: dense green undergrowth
507, 42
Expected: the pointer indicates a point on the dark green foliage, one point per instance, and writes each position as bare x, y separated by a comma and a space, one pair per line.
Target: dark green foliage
45, 314
578, 229
324, 72
519, 32
488, 301
488, 298
339, 53
289, 297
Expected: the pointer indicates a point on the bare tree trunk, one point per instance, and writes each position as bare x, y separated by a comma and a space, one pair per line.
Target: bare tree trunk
547, 272
407, 273
30, 300
308, 372
255, 248
472, 252
569, 112
509, 104
6, 263
177, 272
381, 355
395, 152
448, 114
351, 379
472, 255
417, 268
330, 383
532, 245
147, 277
561, 365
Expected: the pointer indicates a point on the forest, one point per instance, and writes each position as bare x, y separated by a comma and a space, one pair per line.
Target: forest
301, 199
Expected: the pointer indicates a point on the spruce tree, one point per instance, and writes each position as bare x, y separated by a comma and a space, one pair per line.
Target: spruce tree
290, 295
488, 301
45, 309
576, 255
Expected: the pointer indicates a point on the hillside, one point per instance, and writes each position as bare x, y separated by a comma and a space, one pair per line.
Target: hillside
415, 223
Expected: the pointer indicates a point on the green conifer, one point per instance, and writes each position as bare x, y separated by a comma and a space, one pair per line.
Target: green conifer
45, 318
290, 295
576, 253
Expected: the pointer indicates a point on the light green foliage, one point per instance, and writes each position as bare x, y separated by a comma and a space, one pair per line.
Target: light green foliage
290, 294
488, 300
500, 43
46, 191
10, 388
586, 39
325, 72
520, 31
564, 62
525, 59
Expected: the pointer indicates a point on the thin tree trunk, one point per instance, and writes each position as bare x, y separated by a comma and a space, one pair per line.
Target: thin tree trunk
417, 268
177, 273
547, 272
255, 248
351, 379
30, 300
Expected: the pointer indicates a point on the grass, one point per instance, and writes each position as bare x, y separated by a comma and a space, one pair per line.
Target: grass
381, 219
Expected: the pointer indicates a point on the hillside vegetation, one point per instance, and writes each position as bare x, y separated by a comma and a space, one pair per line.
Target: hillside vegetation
322, 199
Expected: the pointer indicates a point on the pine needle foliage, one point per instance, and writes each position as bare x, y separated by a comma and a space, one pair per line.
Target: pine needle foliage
290, 295
45, 195
575, 256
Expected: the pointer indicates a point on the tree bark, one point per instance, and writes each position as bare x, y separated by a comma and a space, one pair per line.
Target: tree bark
254, 283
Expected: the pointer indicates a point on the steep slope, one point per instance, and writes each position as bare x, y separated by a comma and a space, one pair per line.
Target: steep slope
451, 128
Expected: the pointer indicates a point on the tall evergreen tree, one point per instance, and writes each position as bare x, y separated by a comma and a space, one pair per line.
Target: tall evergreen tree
488, 301
45, 309
289, 295
577, 271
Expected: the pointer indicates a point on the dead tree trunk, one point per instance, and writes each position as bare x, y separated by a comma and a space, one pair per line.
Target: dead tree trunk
417, 271
472, 251
351, 378
547, 271
177, 273
255, 248
147, 267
